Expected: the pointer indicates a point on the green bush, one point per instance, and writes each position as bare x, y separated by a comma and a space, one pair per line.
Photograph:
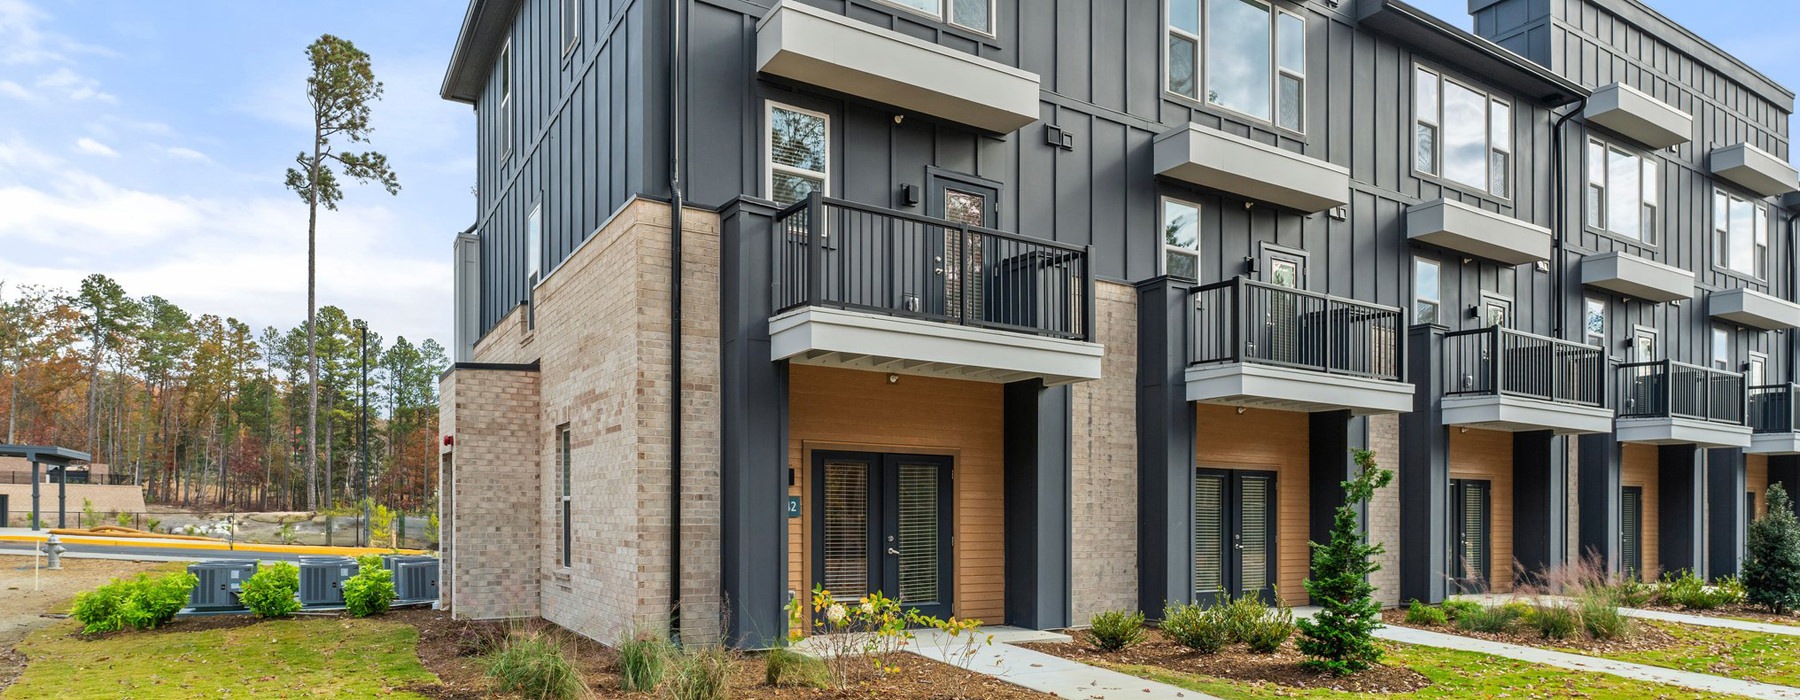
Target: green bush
1688, 591
1730, 590
138, 603
270, 592
1195, 627
1455, 609
1418, 613
701, 673
1632, 592
1116, 629
533, 665
786, 668
1493, 619
1240, 615
641, 661
371, 590
1772, 569
1553, 620
1267, 633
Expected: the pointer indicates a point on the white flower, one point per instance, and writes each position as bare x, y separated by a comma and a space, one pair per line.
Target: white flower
868, 608
835, 613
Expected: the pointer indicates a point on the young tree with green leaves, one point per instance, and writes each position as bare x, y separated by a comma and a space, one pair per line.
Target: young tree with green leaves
1772, 569
1340, 639
340, 90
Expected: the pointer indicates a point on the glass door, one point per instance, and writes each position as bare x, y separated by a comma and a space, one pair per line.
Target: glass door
1470, 538
963, 258
1234, 550
883, 524
1631, 531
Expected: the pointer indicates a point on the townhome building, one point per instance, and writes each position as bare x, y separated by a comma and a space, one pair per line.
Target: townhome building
1022, 310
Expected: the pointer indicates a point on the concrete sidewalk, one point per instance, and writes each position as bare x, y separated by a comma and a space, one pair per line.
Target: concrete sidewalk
1661, 616
1045, 673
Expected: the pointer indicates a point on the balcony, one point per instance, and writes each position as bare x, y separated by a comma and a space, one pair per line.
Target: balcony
1501, 379
1754, 169
1752, 308
1259, 345
1636, 278
1668, 402
863, 287
1629, 111
1230, 163
1450, 224
1774, 423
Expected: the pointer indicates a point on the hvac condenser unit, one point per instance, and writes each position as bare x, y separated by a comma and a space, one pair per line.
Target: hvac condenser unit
220, 583
415, 589
322, 580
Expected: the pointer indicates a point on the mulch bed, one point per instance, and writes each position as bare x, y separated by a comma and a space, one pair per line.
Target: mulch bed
452, 650
1649, 637
1238, 664
1736, 612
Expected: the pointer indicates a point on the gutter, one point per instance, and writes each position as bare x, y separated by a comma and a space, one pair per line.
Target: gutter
677, 84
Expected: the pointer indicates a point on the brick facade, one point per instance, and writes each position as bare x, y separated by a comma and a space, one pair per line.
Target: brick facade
490, 561
1384, 510
1103, 469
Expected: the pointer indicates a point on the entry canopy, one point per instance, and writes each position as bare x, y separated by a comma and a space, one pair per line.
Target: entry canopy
45, 454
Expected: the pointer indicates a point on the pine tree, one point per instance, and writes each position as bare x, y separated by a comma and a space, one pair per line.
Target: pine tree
1772, 571
1340, 639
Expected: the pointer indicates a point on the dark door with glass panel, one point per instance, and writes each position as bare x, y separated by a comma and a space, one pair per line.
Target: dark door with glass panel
1471, 526
1234, 534
1284, 312
881, 523
963, 256
1631, 531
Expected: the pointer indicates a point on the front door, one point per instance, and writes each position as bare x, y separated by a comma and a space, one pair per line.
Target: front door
1631, 531
881, 523
1496, 310
1234, 534
1470, 534
969, 202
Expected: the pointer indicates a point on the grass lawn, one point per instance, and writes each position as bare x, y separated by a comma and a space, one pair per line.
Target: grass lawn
1751, 656
312, 657
1454, 674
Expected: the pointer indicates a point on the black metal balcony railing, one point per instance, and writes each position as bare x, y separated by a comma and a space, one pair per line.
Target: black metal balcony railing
1772, 409
1501, 361
1669, 389
834, 253
1241, 320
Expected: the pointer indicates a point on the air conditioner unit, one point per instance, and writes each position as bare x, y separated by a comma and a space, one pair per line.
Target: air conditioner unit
417, 581
220, 583
402, 591
322, 580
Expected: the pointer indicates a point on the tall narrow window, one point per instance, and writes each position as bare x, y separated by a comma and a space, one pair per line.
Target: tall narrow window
1499, 147
1428, 292
1594, 321
1184, 48
503, 120
1290, 83
1740, 234
1181, 239
799, 159
571, 24
1425, 107
1721, 349
1596, 184
565, 462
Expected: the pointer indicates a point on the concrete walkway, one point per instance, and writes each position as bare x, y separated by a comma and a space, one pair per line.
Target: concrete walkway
1661, 616
1045, 673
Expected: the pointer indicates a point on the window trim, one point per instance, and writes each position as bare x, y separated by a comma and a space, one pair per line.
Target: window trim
565, 488
1752, 359
944, 16
1162, 261
505, 109
1202, 67
770, 166
1587, 335
1717, 358
1650, 199
1437, 304
1492, 97
571, 25
1759, 251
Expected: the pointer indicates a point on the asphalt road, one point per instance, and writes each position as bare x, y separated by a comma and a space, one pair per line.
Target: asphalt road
152, 553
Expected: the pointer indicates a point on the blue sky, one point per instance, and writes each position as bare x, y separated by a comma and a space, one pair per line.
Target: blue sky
147, 141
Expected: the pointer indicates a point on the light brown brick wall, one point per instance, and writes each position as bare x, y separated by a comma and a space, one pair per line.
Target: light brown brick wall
1384, 510
1104, 465
492, 566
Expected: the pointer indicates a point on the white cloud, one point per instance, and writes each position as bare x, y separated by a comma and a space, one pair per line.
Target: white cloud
16, 91
92, 147
184, 153
23, 42
74, 86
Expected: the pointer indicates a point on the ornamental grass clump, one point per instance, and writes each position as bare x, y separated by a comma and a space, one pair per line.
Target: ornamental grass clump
533, 664
1418, 613
786, 668
642, 660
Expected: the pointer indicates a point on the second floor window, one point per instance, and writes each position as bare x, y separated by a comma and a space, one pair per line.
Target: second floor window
1461, 134
968, 14
571, 24
1721, 349
534, 243
1621, 192
1593, 322
1181, 238
799, 157
504, 118
1740, 234
1255, 58
1428, 292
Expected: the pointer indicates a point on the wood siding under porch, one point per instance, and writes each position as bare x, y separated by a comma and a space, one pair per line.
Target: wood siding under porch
1272, 441
1487, 455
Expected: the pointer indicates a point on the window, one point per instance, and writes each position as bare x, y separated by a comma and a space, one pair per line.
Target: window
1740, 234
504, 119
565, 465
1462, 134
1181, 238
799, 157
1594, 322
1428, 294
571, 24
1758, 372
534, 242
968, 14
1621, 192
1721, 349
1255, 61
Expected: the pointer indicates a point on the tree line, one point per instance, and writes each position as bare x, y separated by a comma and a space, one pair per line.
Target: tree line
205, 411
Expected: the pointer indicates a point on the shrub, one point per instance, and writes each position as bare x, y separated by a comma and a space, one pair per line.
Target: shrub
1266, 634
1421, 614
152, 523
98, 609
371, 590
138, 603
786, 668
1115, 630
1492, 619
1340, 639
1553, 620
533, 665
89, 516
1600, 615
1239, 615
270, 592
123, 519
958, 642
641, 661
1455, 609
1691, 592
1772, 569
854, 637
1195, 627
701, 673
1730, 590
1632, 592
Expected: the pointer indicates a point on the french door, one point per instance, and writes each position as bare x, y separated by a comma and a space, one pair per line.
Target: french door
971, 203
1234, 534
1471, 534
882, 523
1631, 531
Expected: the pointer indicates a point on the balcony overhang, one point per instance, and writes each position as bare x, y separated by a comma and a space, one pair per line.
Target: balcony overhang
830, 337
1754, 309
1217, 160
1457, 226
813, 46
1632, 276
1681, 431
1754, 169
1519, 414
1255, 385
1774, 444
1649, 121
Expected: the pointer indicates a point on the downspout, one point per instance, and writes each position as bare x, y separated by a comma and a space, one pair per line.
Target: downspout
677, 42
1562, 218
1793, 288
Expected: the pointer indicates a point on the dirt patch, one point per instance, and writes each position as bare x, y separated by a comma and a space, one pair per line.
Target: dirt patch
24, 601
1239, 664
1648, 637
452, 648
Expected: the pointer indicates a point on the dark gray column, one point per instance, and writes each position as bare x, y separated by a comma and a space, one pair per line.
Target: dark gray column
1165, 445
1725, 516
1424, 473
1330, 466
62, 496
1599, 478
1540, 502
1681, 523
1785, 470
753, 454
1037, 505
37, 509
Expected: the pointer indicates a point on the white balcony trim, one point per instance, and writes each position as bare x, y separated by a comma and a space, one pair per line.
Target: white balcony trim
1288, 389
1754, 169
1637, 278
1629, 111
1681, 431
1520, 414
1754, 309
1774, 444
1447, 223
1231, 163
829, 337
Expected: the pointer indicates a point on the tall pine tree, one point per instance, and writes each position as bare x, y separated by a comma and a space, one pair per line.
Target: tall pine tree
1340, 639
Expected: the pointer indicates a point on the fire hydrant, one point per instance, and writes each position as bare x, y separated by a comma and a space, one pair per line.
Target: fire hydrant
53, 551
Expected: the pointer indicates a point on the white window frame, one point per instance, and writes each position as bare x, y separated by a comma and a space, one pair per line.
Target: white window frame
505, 110
565, 462
770, 167
1202, 67
571, 25
1756, 370
1437, 297
1587, 334
1162, 220
1599, 180
1436, 116
1723, 235
945, 16
534, 242
1720, 349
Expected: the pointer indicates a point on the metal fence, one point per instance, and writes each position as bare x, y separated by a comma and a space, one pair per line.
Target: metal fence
1495, 361
23, 476
1669, 389
1242, 320
1772, 409
840, 254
